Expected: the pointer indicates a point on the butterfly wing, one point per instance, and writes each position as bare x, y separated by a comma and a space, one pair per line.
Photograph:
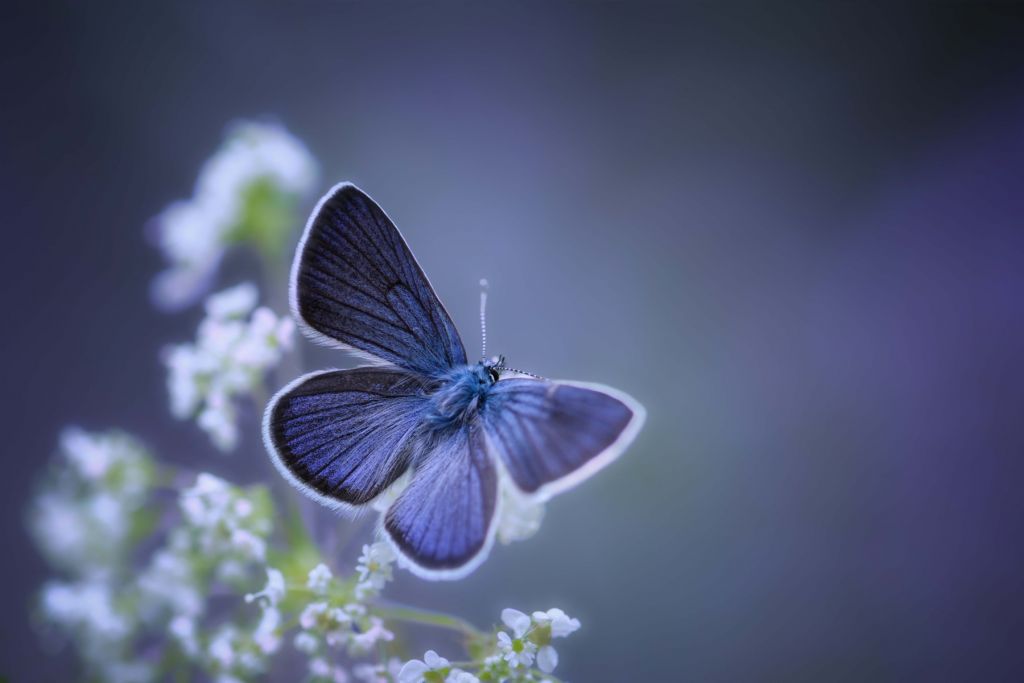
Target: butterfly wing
443, 522
552, 435
344, 436
355, 284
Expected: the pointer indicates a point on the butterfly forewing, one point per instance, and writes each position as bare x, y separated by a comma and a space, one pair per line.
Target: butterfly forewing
549, 435
344, 436
355, 282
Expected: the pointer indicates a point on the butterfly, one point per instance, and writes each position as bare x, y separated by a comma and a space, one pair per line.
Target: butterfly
459, 429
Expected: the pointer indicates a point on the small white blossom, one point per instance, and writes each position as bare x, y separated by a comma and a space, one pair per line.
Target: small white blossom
194, 234
516, 620
222, 647
183, 630
267, 636
168, 584
205, 504
306, 642
226, 523
319, 578
234, 302
273, 591
519, 518
373, 633
516, 651
560, 622
460, 676
248, 544
88, 606
321, 670
228, 360
378, 673
547, 659
375, 568
233, 653
311, 615
83, 518
415, 670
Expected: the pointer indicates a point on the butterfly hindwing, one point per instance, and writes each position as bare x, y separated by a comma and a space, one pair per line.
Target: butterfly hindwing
443, 521
344, 436
551, 435
355, 283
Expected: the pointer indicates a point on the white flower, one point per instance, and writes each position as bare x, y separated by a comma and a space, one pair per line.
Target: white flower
228, 360
234, 302
273, 591
516, 620
460, 676
225, 523
88, 605
183, 629
194, 234
319, 578
249, 544
415, 670
205, 504
306, 642
374, 568
168, 584
516, 651
319, 667
89, 454
365, 640
519, 518
266, 636
222, 647
379, 673
83, 518
311, 615
560, 623
547, 659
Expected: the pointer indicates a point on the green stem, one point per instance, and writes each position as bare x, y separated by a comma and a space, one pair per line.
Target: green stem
420, 616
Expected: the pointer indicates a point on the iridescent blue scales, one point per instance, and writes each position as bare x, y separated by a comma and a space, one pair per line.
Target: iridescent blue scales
344, 437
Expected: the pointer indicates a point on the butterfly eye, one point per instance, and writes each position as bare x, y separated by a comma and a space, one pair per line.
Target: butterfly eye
493, 373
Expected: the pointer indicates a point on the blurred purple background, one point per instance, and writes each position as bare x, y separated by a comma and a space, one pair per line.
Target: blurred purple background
796, 235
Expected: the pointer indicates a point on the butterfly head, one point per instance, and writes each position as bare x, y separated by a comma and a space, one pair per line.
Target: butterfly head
493, 367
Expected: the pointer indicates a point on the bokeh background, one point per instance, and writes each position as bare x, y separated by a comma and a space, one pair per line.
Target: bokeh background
795, 233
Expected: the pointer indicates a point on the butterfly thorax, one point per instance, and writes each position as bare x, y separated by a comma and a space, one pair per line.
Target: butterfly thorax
461, 394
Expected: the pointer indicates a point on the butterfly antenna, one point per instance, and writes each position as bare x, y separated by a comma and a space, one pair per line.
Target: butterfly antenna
483, 318
521, 372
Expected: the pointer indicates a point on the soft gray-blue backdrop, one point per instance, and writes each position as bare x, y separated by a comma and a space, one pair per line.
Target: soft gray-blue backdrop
793, 232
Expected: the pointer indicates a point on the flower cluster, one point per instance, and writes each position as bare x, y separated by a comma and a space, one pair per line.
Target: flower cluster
87, 512
235, 346
219, 541
526, 641
200, 584
245, 192
337, 617
85, 519
219, 544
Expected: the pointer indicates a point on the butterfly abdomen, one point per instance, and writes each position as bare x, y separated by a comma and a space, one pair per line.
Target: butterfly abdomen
460, 396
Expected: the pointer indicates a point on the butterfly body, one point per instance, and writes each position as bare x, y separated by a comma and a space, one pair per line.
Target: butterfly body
346, 437
461, 395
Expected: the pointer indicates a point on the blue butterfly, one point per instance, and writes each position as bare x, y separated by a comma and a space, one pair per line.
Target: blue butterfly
343, 437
